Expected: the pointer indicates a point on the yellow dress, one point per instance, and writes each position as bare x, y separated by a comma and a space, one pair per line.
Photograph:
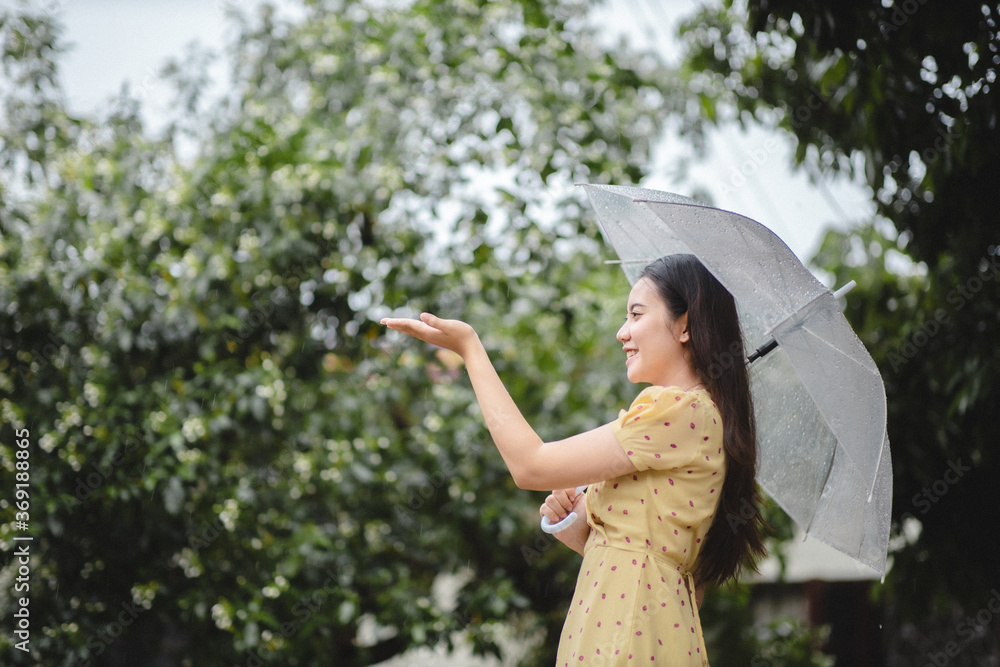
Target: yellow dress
634, 599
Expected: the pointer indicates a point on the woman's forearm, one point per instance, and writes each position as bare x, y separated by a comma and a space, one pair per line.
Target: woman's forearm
579, 459
517, 441
575, 540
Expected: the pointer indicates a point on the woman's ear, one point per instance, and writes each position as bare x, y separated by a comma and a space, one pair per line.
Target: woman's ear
681, 329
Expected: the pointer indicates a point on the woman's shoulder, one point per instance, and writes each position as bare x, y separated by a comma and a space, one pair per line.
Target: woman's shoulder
666, 427
660, 400
661, 393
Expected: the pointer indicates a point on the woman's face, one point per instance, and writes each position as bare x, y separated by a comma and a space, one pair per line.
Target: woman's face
653, 340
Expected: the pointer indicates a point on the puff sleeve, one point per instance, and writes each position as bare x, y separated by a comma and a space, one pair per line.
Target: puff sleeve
665, 427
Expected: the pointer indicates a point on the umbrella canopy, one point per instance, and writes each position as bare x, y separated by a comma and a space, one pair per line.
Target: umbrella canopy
818, 396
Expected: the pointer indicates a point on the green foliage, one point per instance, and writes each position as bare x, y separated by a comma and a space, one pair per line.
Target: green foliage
231, 462
787, 643
734, 639
904, 96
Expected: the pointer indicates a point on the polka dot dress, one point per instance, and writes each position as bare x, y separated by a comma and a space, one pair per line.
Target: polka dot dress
634, 600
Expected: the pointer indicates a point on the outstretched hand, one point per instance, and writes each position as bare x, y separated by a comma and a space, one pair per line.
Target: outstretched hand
453, 335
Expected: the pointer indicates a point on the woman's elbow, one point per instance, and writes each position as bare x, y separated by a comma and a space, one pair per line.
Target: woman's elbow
528, 480
530, 471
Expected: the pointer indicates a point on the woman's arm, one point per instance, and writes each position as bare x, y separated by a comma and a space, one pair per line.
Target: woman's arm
581, 459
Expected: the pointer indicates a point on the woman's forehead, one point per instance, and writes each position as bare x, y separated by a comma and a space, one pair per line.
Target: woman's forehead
643, 293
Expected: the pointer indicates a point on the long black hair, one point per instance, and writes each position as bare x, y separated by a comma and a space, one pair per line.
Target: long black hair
735, 539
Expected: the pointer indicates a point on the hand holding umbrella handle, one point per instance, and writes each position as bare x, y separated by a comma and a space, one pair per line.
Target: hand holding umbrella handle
551, 528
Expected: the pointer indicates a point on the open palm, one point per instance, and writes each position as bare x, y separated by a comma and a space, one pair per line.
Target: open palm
453, 335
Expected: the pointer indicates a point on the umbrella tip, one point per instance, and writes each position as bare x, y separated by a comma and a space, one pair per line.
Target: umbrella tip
840, 293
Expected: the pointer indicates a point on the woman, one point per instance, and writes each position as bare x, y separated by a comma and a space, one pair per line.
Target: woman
670, 481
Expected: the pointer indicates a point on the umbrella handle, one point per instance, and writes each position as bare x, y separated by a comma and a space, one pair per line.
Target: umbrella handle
567, 521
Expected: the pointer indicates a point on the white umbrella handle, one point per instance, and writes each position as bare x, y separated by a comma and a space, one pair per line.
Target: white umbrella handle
566, 522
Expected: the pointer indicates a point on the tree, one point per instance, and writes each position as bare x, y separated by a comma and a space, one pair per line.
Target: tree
230, 462
903, 95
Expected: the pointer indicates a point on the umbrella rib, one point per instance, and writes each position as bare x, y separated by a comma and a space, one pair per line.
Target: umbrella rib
874, 373
840, 352
641, 238
826, 479
878, 464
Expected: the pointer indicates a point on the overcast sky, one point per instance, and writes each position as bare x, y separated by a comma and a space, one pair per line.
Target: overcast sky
113, 41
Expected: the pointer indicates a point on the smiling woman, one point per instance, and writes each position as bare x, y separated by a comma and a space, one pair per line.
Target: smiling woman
662, 477
654, 340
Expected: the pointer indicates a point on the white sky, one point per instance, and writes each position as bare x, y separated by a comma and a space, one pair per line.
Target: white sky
113, 41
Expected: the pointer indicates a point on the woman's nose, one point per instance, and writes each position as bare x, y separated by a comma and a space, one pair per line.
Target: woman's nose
622, 334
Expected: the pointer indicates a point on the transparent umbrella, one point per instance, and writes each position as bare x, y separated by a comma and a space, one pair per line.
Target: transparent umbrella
819, 398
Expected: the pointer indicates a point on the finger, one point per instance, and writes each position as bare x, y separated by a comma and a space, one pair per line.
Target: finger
560, 506
567, 497
414, 328
401, 322
547, 512
447, 327
561, 499
450, 329
553, 512
426, 320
